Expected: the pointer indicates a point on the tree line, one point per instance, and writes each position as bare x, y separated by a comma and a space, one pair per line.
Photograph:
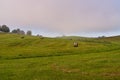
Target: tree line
6, 29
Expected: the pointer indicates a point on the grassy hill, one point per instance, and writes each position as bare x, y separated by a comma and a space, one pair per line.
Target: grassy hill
33, 58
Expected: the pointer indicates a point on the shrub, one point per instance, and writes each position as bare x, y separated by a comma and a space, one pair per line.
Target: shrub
29, 33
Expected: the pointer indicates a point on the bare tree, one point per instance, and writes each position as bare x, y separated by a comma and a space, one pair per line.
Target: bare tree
22, 32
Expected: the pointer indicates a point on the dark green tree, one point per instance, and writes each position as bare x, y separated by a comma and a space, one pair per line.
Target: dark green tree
4, 28
18, 31
14, 31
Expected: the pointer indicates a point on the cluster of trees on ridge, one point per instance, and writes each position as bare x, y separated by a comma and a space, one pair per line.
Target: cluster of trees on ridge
6, 29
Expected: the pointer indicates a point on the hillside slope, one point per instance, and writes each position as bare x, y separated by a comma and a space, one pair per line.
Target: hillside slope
33, 58
13, 46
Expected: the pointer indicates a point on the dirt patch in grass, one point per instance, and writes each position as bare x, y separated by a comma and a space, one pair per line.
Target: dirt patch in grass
111, 74
63, 69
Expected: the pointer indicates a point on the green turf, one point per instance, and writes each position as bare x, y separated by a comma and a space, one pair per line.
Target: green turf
33, 58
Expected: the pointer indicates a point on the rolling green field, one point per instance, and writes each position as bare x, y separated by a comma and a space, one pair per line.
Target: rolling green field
33, 58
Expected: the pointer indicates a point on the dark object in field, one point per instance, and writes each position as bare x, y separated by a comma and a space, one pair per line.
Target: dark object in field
22, 37
20, 55
75, 44
41, 37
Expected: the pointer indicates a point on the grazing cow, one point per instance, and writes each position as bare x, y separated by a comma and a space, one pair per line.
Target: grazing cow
75, 44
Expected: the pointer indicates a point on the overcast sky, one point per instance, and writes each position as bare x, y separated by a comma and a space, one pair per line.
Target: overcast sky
58, 17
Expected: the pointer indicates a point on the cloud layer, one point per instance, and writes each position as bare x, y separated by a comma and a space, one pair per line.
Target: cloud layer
63, 16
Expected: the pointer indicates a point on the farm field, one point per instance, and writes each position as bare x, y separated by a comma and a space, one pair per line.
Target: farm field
34, 58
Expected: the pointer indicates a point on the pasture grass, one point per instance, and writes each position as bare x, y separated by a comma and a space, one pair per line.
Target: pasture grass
33, 58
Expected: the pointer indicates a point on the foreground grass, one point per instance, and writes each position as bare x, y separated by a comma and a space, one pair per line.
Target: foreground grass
101, 66
33, 58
